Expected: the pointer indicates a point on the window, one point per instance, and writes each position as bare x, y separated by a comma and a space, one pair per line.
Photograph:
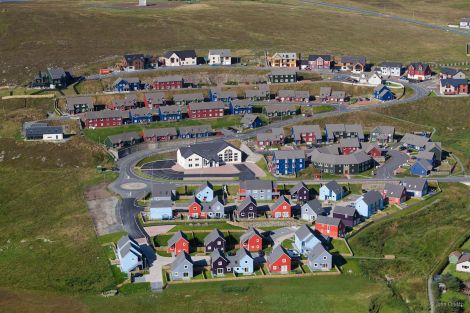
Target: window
324, 258
185, 267
219, 263
274, 267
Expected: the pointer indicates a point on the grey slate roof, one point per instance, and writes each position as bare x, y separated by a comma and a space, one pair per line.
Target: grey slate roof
393, 190
213, 235
159, 132
34, 130
182, 54
143, 111
155, 97
293, 93
206, 105
316, 252
353, 59
247, 201
161, 204
314, 206
325, 92
163, 189
283, 71
207, 150
56, 72
241, 253
449, 71
317, 155
221, 52
371, 197
105, 114
314, 57
331, 128
298, 130
225, 93
242, 103
349, 143
124, 240
425, 164
197, 96
334, 186
170, 109
304, 232
338, 94
129, 136
257, 184
387, 130
249, 233
71, 101
194, 129
426, 155
297, 187
328, 220
344, 210
277, 252
176, 237
275, 108
453, 82
289, 154
216, 254
415, 140
414, 183
180, 259
248, 119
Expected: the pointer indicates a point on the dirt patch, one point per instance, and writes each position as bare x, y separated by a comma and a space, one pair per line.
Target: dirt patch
102, 205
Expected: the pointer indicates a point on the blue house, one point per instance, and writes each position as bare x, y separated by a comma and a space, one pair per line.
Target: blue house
239, 107
251, 121
224, 96
331, 191
369, 203
288, 162
127, 84
242, 262
129, 254
421, 168
205, 193
161, 210
382, 93
305, 240
200, 131
169, 113
142, 115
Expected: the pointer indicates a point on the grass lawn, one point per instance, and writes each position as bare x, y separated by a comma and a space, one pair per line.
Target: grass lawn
339, 246
109, 251
203, 226
450, 269
451, 296
262, 164
111, 238
135, 288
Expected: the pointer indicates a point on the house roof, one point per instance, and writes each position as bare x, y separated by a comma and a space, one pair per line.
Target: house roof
314, 206
353, 59
344, 210
71, 101
34, 130
248, 119
334, 186
415, 140
163, 189
325, 91
425, 155
262, 91
257, 184
368, 146
391, 64
155, 97
424, 164
225, 94
105, 114
449, 71
143, 111
159, 132
356, 128
297, 187
279, 201
241, 254
277, 252
131, 57
338, 94
314, 57
320, 156
207, 150
283, 71
304, 233
204, 185
180, 259
289, 154
216, 254
464, 258
266, 137
285, 55
169, 109
316, 252
293, 93
249, 233
454, 82
169, 78
127, 80
197, 96
298, 130
248, 200
425, 66
125, 240
328, 220
206, 105
182, 54
237, 103
393, 190
129, 136
161, 204
431, 145
213, 235
388, 130
56, 72
371, 197
380, 87
349, 143
194, 129
177, 237
414, 183
221, 52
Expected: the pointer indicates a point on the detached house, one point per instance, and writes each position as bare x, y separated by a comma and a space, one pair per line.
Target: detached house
258, 189
215, 240
382, 134
288, 162
419, 71
421, 168
463, 264
283, 75
348, 215
213, 209
129, 254
319, 62
284, 59
453, 86
180, 58
311, 210
451, 73
416, 187
220, 263
219, 57
319, 259
395, 194
353, 63
388, 69
270, 139
414, 141
247, 208
161, 210
281, 208
306, 134
369, 203
198, 110
178, 243
300, 192
331, 191
242, 262
252, 240
182, 268
127, 84
383, 93
205, 192
330, 226
279, 261
336, 131
225, 96
52, 77
133, 62
122, 140
168, 82
163, 191
210, 154
305, 240
250, 121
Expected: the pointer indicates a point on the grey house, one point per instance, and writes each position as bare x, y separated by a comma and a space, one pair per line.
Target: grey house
311, 210
214, 241
214, 209
185, 98
242, 262
258, 189
182, 268
319, 259
416, 187
382, 134
163, 191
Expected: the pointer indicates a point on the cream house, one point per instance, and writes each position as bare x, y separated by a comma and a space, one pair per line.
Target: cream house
211, 154
220, 57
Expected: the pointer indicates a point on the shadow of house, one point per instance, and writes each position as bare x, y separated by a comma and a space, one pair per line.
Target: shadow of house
338, 260
149, 254
200, 263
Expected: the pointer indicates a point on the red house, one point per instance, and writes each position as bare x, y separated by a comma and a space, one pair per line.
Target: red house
372, 149
395, 194
252, 240
281, 208
206, 109
168, 82
349, 145
103, 118
330, 226
306, 133
279, 261
178, 243
195, 209
153, 100
419, 71
319, 62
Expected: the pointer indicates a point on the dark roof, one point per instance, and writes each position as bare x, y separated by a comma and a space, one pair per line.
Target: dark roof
304, 232
158, 132
248, 200
132, 57
325, 57
213, 235
75, 100
334, 186
314, 205
206, 105
278, 251
248, 119
182, 54
274, 108
241, 253
454, 82
344, 210
297, 187
242, 103
188, 96
249, 233
217, 254
354, 59
371, 197
181, 258
163, 190
161, 204
449, 71
327, 220
207, 150
169, 109
425, 66
56, 72
393, 190
257, 184
289, 154
39, 131
129, 136
155, 97
414, 183
194, 129
415, 140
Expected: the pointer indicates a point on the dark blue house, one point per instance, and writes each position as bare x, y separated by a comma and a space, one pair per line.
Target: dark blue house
421, 168
382, 93
224, 96
142, 115
200, 131
127, 84
169, 113
288, 162
239, 107
250, 121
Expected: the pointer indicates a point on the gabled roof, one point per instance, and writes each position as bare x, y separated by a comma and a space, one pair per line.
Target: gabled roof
393, 190
224, 93
169, 78
316, 252
380, 88
353, 59
204, 186
330, 157
349, 143
143, 111
424, 164
334, 186
184, 130
371, 197
56, 72
368, 146
305, 233
75, 100
454, 82
328, 220
216, 254
161, 204
180, 259
314, 57
221, 52
159, 132
242, 103
257, 184
464, 258
182, 54
387, 130
284, 93
415, 140
177, 237
248, 119
275, 108
169, 109
425, 66
431, 145
297, 187
289, 154
450, 71
414, 183
279, 201
34, 130
314, 206
298, 130
344, 210
163, 189
338, 94
125, 240
105, 114
132, 57
241, 254
248, 200
197, 96
277, 252
129, 136
216, 105
207, 150
212, 236
425, 155
325, 91
155, 97
285, 55
249, 233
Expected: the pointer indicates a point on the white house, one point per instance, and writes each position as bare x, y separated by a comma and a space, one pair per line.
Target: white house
129, 254
370, 79
464, 23
463, 264
210, 154
220, 57
180, 58
391, 69
331, 191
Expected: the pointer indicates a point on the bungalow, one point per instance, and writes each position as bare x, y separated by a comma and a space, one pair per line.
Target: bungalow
161, 210
127, 84
453, 86
206, 109
300, 192
331, 191
279, 261
310, 134
129, 254
283, 75
416, 187
122, 140
419, 71
168, 82
382, 134
293, 95
209, 154
242, 262
159, 134
348, 215
205, 193
311, 210
463, 264
284, 59
281, 208
182, 268
142, 115
220, 263
79, 104
43, 131
421, 168
395, 194
451, 73
383, 93
186, 98
338, 96
178, 243
240, 107
330, 226
170, 113
247, 208
369, 203
213, 209
133, 62
215, 240
250, 121
180, 58
319, 62
153, 100
288, 162
414, 141
319, 259
163, 191
305, 240
388, 69
258, 189
337, 131
325, 93
353, 63
53, 77
186, 132
220, 57
349, 145
222, 95
252, 240
280, 110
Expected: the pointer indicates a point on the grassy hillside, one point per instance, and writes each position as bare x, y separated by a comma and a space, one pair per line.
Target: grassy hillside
247, 27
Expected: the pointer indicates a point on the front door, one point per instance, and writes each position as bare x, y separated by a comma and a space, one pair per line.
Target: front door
251, 215
284, 268
220, 271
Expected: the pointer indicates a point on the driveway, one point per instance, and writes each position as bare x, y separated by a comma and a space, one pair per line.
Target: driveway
396, 159
281, 234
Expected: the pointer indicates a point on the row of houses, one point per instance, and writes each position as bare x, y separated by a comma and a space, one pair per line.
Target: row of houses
452, 82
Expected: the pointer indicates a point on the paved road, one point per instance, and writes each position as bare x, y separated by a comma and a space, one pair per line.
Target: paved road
129, 212
396, 159
393, 17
